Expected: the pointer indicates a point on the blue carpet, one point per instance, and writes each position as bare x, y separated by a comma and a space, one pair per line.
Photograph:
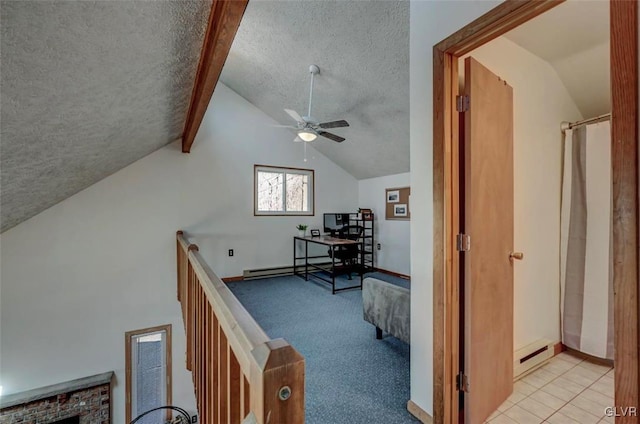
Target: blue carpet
350, 376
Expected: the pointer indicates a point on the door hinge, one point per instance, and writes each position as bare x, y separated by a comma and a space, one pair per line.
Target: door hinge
463, 243
462, 383
462, 103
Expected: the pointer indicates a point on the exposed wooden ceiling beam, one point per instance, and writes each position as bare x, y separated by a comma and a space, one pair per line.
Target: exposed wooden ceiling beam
224, 20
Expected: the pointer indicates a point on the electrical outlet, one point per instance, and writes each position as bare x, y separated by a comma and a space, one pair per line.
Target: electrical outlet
230, 252
378, 246
194, 419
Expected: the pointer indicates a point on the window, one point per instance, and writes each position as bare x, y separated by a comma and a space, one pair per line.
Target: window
283, 191
148, 373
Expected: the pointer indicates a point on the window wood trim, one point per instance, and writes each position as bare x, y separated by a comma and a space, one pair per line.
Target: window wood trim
312, 212
127, 341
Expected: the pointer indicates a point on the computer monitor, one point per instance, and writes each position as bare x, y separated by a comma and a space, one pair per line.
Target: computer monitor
333, 222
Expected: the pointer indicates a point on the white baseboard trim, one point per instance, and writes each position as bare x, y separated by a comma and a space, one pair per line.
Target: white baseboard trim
419, 413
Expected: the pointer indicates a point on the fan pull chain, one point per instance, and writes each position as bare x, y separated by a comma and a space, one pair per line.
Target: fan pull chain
305, 150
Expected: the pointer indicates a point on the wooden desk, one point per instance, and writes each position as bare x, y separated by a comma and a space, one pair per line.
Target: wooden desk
332, 243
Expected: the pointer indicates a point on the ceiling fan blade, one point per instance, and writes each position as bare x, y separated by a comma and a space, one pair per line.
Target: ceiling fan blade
330, 136
334, 124
294, 115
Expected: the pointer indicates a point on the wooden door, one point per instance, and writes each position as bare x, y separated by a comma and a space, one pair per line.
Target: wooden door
488, 221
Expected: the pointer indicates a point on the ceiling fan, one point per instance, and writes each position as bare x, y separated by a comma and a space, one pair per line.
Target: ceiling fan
309, 128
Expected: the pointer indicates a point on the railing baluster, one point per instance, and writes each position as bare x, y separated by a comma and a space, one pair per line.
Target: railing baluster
197, 345
234, 376
189, 320
222, 380
214, 368
246, 407
205, 361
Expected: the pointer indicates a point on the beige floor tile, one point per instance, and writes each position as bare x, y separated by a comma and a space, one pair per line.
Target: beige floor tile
515, 397
495, 414
608, 420
505, 405
558, 391
548, 399
597, 368
539, 378
582, 376
560, 418
597, 397
596, 408
565, 356
521, 416
567, 385
605, 386
558, 366
524, 388
611, 373
502, 419
578, 414
538, 409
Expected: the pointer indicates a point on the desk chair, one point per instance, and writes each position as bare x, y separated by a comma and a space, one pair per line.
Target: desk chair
349, 255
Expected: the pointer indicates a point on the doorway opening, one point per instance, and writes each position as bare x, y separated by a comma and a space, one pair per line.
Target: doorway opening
450, 219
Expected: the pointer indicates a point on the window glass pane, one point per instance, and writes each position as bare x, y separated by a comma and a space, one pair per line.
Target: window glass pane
270, 191
283, 191
149, 376
297, 193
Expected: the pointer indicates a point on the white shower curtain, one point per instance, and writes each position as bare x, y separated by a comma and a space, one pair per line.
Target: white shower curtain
586, 255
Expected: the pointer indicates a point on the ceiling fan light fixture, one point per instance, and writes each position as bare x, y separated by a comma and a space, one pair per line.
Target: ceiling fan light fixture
307, 135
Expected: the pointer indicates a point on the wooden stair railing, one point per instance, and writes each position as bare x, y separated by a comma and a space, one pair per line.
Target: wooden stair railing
239, 374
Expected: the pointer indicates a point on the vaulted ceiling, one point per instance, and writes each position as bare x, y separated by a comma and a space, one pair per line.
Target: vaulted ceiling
362, 49
573, 38
89, 87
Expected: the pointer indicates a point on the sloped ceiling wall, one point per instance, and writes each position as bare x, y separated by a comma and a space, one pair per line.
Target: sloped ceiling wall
573, 37
88, 88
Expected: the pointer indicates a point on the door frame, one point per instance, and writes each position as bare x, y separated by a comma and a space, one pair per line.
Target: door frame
446, 190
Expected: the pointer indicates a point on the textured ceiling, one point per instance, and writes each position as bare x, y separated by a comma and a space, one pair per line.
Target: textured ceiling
362, 49
88, 88
574, 38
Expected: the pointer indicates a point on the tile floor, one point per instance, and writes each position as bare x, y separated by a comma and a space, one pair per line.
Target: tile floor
566, 390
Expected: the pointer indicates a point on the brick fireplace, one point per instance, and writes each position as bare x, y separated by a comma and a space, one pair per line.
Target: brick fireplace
82, 401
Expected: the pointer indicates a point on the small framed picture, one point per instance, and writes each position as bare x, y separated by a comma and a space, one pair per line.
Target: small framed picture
393, 196
400, 209
315, 233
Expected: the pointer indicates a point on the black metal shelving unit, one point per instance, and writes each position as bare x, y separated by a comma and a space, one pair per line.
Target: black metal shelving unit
368, 239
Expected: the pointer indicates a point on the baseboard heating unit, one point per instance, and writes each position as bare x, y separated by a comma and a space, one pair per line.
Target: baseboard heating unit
531, 357
248, 274
277, 271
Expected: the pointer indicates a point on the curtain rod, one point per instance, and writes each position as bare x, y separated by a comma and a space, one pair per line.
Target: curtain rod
569, 125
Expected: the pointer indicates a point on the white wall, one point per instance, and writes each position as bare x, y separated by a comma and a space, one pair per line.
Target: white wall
80, 274
430, 23
541, 102
393, 236
591, 87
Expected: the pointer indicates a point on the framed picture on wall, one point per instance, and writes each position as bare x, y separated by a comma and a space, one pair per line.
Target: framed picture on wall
400, 209
393, 196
